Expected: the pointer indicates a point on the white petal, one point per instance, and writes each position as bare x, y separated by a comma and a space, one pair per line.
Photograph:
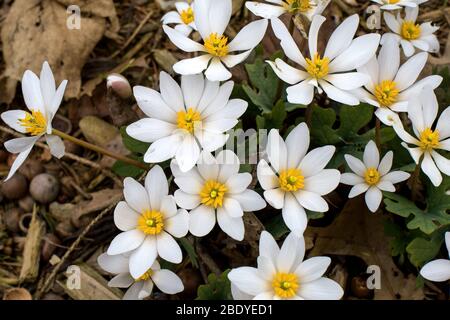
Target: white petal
342, 37
313, 34
152, 104
201, 10
323, 182
167, 281
189, 185
312, 269
294, 216
126, 241
396, 176
188, 153
31, 89
311, 201
249, 200
122, 280
316, 160
150, 130
321, 289
57, 99
275, 197
232, 208
442, 163
389, 60
186, 200
234, 227
19, 160
430, 169
410, 70
386, 163
351, 179
217, 72
358, 189
292, 245
248, 280
201, 221
192, 87
408, 48
385, 185
338, 95
56, 145
207, 166
182, 41
48, 87
297, 144
348, 81
287, 73
437, 270
276, 150
20, 144
143, 257
171, 92
268, 247
220, 100
113, 264
156, 186
12, 117
373, 198
163, 149
219, 16
168, 248
302, 93
371, 155
135, 195
134, 291
249, 36
266, 177
178, 225
443, 124
356, 165
229, 164
192, 65
287, 42
125, 218
239, 182
264, 10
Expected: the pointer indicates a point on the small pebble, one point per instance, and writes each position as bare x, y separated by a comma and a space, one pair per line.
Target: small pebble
44, 188
16, 187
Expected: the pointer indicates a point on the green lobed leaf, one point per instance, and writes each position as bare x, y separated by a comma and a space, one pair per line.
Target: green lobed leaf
217, 288
190, 251
421, 250
124, 169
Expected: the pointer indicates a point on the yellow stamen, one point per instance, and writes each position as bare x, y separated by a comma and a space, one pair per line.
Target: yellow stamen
291, 180
392, 1
372, 176
294, 6
146, 276
151, 222
216, 45
285, 285
34, 123
187, 16
386, 93
317, 67
212, 193
187, 120
410, 30
429, 139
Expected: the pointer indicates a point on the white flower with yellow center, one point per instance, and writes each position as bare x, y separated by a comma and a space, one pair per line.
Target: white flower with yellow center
438, 270
183, 17
308, 8
330, 72
43, 100
214, 189
211, 19
422, 111
142, 287
411, 34
183, 121
392, 86
398, 4
296, 180
149, 220
282, 273
372, 175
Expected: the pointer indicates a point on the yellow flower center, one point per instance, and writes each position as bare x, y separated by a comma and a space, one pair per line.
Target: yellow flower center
429, 139
187, 120
372, 176
317, 67
212, 193
216, 45
386, 93
291, 180
294, 6
187, 16
410, 30
34, 123
285, 285
146, 276
392, 1
151, 222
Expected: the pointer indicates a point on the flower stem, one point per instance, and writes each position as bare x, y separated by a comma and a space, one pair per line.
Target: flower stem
378, 133
415, 181
98, 149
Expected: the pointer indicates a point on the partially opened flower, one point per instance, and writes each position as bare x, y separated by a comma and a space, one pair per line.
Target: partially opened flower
331, 72
211, 19
282, 273
438, 270
308, 8
398, 4
422, 112
142, 287
411, 34
148, 219
214, 189
183, 121
392, 86
183, 17
296, 180
43, 100
372, 175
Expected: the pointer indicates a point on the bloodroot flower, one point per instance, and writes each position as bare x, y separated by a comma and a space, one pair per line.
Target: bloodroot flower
307, 8
183, 17
282, 273
43, 100
398, 4
438, 270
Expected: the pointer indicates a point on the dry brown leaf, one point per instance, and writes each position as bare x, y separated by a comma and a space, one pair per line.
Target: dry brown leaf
36, 30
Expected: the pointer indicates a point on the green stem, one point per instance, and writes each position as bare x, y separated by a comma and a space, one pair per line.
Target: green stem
378, 133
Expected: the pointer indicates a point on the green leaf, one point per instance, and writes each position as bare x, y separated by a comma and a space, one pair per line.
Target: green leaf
124, 169
421, 250
190, 251
132, 144
217, 288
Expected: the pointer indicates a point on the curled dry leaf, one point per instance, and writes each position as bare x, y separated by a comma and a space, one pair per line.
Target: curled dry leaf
17, 294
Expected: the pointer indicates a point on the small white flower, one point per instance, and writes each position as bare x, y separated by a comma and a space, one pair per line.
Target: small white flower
438, 270
149, 220
410, 34
330, 72
183, 121
422, 112
214, 187
398, 4
372, 175
282, 274
183, 18
211, 19
295, 179
308, 8
43, 100
142, 287
392, 86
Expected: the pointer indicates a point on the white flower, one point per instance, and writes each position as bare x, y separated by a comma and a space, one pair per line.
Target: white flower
410, 34
308, 8
211, 19
183, 18
183, 121
398, 4
372, 175
214, 187
43, 100
149, 220
438, 270
330, 72
422, 112
142, 287
391, 87
296, 180
282, 274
